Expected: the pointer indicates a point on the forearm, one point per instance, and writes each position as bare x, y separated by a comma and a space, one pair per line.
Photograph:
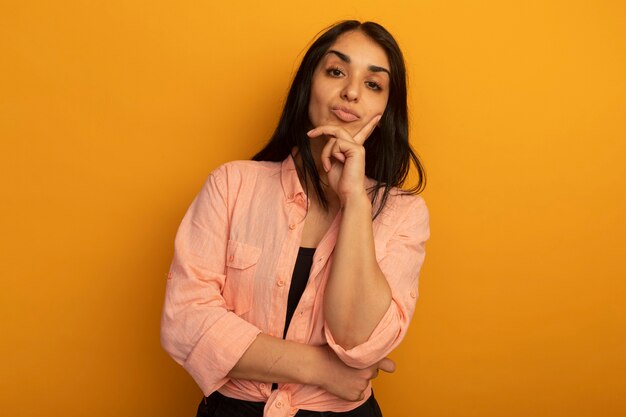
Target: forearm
270, 359
357, 294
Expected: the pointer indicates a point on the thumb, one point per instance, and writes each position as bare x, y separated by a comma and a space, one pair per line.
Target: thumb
387, 365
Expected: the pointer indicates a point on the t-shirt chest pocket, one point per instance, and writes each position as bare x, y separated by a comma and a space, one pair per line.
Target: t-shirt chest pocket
241, 265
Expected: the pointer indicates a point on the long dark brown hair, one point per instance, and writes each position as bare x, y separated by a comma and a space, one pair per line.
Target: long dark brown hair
388, 154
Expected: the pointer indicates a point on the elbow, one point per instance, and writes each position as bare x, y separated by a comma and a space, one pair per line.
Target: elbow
349, 338
359, 353
171, 343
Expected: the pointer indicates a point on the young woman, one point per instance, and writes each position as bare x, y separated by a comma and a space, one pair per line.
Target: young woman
295, 274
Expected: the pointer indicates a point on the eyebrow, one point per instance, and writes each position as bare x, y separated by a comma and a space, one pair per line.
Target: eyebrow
345, 58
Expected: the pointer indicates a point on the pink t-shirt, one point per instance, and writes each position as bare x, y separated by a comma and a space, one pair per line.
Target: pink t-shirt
234, 255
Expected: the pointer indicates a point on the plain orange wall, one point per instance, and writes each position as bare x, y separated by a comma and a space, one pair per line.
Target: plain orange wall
113, 113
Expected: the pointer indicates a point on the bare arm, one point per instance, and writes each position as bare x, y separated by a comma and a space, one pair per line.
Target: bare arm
357, 294
270, 359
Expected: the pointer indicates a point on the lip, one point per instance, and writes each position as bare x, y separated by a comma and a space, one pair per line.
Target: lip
344, 114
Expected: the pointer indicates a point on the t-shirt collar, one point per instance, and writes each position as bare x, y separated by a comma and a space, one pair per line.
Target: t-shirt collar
289, 178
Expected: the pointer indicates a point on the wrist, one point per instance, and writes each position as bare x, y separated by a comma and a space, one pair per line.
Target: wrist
324, 367
357, 197
313, 372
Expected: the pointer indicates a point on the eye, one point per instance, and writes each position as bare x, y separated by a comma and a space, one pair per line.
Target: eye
334, 72
373, 85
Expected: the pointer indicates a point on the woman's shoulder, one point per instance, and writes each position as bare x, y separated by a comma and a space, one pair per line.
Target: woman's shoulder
406, 214
403, 203
399, 201
244, 169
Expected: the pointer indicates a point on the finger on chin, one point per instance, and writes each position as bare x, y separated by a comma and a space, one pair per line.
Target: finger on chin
367, 130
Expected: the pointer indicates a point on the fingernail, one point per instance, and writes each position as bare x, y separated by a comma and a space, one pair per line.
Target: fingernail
309, 132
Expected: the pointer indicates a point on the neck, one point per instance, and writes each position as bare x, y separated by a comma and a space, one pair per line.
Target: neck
317, 145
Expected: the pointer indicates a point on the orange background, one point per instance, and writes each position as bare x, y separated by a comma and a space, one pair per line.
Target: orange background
113, 113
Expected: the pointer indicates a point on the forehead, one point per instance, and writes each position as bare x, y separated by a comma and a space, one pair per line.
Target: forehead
361, 49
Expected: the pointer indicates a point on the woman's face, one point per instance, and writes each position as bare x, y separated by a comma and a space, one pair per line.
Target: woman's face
350, 84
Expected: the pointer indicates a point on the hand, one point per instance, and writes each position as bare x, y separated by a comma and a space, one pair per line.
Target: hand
343, 157
350, 383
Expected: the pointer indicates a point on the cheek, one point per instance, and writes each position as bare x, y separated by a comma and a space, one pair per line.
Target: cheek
314, 106
313, 112
377, 106
382, 104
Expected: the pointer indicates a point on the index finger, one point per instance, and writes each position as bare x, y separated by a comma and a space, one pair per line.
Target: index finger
366, 130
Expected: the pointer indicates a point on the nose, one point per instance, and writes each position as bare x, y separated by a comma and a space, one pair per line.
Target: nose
350, 91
